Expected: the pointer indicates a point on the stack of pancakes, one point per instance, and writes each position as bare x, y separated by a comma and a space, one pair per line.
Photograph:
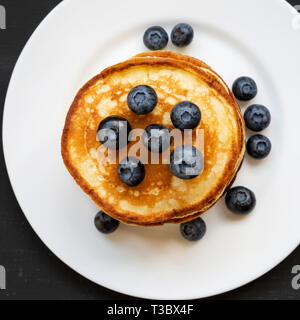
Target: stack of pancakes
161, 197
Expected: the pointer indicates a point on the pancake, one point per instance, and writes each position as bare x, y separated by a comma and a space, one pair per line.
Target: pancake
203, 66
161, 197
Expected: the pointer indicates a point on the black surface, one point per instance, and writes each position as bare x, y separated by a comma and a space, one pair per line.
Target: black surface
33, 272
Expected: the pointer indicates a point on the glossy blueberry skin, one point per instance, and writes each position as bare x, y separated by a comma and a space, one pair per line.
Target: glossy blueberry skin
240, 200
257, 117
185, 115
131, 171
105, 224
244, 88
155, 38
186, 162
113, 132
182, 35
193, 230
157, 138
142, 99
258, 146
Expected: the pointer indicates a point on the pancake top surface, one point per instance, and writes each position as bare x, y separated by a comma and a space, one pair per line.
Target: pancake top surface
161, 196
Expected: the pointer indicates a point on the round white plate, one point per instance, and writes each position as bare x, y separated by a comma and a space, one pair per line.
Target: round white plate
79, 39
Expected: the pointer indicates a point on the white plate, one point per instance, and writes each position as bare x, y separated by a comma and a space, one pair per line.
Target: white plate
75, 42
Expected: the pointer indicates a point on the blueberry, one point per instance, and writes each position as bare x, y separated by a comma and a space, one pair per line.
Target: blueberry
257, 117
131, 171
155, 38
185, 115
182, 35
142, 99
186, 162
113, 132
240, 200
259, 146
156, 138
244, 88
106, 224
193, 230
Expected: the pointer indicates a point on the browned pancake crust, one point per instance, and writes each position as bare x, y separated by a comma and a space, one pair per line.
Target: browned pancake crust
175, 216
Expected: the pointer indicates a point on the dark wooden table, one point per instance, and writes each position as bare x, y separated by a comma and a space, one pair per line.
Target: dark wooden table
33, 272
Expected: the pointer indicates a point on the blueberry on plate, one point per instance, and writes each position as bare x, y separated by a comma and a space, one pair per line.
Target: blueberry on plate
257, 117
142, 99
240, 200
186, 162
185, 115
105, 224
258, 146
156, 138
131, 171
182, 35
155, 38
244, 88
113, 132
193, 230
